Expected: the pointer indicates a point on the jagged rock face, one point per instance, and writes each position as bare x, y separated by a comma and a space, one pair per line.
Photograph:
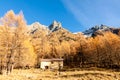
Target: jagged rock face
37, 26
63, 35
115, 30
57, 29
55, 26
99, 30
96, 28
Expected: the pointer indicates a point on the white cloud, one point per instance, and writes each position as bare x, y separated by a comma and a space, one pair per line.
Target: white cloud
74, 9
94, 12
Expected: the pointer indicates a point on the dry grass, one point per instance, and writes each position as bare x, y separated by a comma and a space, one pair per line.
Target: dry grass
37, 74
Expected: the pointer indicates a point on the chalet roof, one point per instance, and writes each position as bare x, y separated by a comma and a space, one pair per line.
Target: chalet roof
49, 60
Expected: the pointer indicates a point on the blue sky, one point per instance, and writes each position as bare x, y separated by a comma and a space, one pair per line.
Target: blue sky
75, 15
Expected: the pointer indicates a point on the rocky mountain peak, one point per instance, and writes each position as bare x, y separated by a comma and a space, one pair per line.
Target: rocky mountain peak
99, 30
36, 26
102, 28
55, 26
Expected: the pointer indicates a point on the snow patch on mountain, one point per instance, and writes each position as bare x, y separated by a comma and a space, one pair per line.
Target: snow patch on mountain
36, 26
90, 32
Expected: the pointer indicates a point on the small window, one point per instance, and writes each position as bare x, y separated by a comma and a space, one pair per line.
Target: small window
52, 62
46, 67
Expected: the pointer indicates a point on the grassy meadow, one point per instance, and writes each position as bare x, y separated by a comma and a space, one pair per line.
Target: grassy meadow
76, 74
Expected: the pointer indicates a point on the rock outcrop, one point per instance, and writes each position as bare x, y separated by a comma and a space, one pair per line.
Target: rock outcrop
99, 30
55, 26
37, 26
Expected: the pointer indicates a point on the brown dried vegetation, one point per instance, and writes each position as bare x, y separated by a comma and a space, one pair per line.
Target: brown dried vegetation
20, 49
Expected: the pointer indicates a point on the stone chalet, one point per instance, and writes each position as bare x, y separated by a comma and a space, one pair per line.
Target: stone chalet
55, 63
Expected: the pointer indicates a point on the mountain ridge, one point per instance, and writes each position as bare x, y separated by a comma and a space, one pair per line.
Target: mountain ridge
57, 26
